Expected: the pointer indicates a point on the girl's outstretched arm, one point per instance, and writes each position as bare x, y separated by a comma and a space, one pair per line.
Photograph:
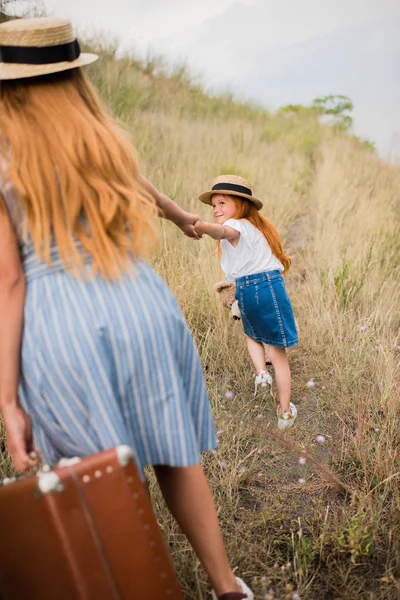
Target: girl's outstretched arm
217, 231
170, 210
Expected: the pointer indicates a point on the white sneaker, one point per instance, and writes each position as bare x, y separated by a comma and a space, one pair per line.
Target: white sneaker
286, 420
245, 590
263, 379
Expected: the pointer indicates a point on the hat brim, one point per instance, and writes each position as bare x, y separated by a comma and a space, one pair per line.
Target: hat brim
20, 71
206, 197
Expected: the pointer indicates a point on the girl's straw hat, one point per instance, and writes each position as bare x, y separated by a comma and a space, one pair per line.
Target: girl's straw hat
31, 47
232, 185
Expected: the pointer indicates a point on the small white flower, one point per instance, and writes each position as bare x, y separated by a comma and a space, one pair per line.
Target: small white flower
228, 394
295, 596
353, 349
398, 347
333, 370
302, 460
302, 481
222, 464
320, 439
310, 383
242, 470
362, 327
259, 416
220, 431
377, 430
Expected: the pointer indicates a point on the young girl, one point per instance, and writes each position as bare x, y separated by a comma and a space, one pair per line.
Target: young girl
253, 258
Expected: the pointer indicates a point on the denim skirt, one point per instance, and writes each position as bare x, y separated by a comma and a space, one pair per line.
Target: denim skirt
266, 310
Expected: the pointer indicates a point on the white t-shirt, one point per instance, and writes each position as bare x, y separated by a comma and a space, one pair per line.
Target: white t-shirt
251, 255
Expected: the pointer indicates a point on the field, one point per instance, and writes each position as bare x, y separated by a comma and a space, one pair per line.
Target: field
327, 529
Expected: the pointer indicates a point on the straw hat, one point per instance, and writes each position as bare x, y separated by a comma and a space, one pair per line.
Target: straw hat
31, 47
233, 185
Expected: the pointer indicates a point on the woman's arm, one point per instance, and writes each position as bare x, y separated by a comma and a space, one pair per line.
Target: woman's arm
217, 231
12, 300
170, 210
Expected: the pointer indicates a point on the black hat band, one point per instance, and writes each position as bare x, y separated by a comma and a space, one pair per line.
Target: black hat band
232, 187
44, 55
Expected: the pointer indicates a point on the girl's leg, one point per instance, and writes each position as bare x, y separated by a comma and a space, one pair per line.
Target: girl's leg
280, 363
257, 353
189, 499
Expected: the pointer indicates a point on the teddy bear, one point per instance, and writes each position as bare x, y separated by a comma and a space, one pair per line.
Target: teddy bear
226, 295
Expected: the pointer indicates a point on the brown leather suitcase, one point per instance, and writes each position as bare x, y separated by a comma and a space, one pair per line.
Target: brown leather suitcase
85, 531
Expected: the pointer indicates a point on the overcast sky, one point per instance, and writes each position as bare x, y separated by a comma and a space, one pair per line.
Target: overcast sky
273, 51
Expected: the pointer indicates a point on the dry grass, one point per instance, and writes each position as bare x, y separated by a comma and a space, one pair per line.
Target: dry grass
336, 535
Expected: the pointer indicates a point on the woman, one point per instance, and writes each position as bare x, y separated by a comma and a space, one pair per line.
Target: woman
83, 320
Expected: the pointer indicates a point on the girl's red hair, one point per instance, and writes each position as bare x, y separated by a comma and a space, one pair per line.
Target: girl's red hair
245, 209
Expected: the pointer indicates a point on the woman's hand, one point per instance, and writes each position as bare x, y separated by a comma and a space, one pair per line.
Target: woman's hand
19, 438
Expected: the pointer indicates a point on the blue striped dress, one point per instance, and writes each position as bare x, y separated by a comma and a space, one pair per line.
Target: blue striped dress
110, 363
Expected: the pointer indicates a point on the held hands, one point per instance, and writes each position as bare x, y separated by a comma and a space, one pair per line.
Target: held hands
189, 226
199, 227
215, 230
19, 438
193, 226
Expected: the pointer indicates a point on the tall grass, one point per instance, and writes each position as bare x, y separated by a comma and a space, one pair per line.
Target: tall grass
290, 528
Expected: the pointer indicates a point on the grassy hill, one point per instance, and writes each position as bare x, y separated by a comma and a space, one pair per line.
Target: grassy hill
330, 528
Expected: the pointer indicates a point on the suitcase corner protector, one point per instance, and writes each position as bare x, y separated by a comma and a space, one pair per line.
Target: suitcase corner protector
49, 483
124, 454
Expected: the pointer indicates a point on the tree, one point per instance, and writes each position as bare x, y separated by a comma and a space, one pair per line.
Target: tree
337, 107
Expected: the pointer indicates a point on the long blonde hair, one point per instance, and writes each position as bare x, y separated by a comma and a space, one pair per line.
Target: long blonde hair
74, 173
245, 209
